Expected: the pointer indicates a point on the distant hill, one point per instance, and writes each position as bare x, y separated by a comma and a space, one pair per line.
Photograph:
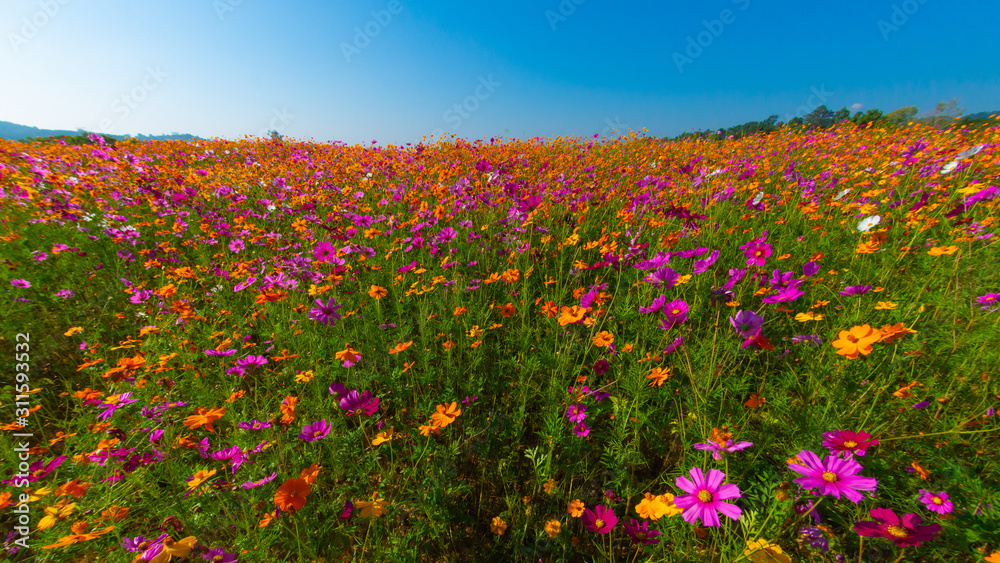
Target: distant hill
979, 116
16, 132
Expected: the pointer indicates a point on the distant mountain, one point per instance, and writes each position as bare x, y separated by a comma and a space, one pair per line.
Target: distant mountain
16, 132
979, 116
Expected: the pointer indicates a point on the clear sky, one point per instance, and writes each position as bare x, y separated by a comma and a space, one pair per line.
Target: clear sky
392, 71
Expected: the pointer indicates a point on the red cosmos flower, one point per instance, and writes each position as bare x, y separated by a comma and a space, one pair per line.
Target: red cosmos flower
904, 532
848, 441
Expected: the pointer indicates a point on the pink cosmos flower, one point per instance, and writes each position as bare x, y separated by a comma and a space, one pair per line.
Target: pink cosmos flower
315, 431
601, 520
718, 449
576, 412
324, 251
757, 253
641, 534
936, 502
581, 430
834, 476
20, 283
848, 442
359, 403
325, 313
904, 532
705, 496
674, 312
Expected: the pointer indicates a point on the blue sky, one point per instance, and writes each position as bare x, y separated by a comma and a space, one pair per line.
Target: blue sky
394, 70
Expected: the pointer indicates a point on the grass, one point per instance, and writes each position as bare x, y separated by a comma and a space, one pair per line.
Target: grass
190, 307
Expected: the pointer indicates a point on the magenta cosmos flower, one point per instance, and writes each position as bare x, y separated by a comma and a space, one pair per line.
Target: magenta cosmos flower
640, 533
324, 251
834, 476
905, 531
601, 520
359, 403
576, 412
726, 447
936, 502
315, 431
847, 441
325, 313
705, 496
747, 323
674, 313
20, 283
757, 252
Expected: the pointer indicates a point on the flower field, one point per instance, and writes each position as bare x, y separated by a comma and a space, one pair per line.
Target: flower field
777, 348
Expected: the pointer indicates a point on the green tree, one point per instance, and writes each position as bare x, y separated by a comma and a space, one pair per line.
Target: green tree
945, 113
901, 116
820, 118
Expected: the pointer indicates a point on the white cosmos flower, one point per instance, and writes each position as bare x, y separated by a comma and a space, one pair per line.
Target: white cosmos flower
971, 152
868, 222
841, 194
760, 196
949, 167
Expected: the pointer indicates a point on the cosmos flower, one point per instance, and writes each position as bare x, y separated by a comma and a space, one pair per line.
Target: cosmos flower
705, 496
601, 520
834, 476
325, 313
726, 447
359, 403
867, 223
904, 532
674, 312
747, 323
936, 502
576, 412
315, 431
848, 442
640, 533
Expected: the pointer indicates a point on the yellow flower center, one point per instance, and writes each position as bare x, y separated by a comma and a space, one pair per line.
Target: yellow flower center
829, 476
898, 532
937, 500
599, 523
675, 312
851, 444
704, 496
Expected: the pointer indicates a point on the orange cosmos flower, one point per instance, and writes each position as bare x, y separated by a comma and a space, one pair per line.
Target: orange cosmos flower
575, 508
939, 250
658, 376
498, 526
602, 339
891, 332
291, 495
309, 474
507, 310
204, 416
571, 315
400, 347
377, 292
856, 341
288, 409
445, 415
